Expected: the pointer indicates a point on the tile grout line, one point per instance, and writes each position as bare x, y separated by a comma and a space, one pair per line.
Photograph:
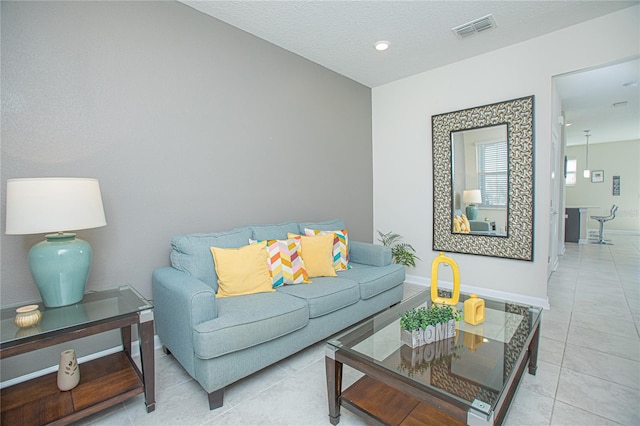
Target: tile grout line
564, 347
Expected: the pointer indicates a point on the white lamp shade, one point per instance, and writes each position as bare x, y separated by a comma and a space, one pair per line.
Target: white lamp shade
473, 196
45, 205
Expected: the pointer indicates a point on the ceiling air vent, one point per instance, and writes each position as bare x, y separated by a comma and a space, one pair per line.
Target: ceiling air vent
475, 26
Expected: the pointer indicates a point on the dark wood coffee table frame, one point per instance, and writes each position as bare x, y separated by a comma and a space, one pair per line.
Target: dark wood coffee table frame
426, 398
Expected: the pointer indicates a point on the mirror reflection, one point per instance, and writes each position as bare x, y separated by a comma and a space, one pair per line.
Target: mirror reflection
463, 180
479, 168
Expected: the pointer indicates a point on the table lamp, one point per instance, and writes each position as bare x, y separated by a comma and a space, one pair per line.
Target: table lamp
472, 197
60, 264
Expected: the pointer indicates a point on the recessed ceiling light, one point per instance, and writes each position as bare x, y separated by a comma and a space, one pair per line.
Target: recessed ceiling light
569, 124
381, 45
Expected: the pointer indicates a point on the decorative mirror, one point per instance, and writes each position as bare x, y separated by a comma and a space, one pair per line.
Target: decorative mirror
483, 180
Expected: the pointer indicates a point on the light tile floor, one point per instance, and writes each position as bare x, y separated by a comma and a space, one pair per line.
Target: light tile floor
588, 368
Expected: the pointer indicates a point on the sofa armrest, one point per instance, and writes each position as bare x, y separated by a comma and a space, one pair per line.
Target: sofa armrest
369, 254
180, 303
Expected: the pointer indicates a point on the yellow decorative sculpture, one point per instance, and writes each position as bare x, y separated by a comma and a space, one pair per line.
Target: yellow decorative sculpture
473, 310
434, 281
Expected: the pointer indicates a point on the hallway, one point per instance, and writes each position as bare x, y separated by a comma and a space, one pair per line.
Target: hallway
589, 364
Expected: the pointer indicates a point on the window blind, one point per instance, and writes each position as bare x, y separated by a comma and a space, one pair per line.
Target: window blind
492, 173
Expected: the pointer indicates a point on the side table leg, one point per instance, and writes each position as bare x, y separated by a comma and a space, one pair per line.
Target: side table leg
533, 351
145, 330
125, 332
334, 387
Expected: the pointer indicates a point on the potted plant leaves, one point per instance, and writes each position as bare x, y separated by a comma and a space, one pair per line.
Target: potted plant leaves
411, 325
401, 253
422, 325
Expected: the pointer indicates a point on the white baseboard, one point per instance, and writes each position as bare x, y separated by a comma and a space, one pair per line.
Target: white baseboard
593, 235
135, 351
494, 294
596, 232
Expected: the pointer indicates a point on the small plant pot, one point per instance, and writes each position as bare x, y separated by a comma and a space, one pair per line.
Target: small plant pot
27, 316
413, 338
441, 331
417, 317
432, 333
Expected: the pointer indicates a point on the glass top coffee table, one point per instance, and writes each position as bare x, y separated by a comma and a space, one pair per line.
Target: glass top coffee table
468, 379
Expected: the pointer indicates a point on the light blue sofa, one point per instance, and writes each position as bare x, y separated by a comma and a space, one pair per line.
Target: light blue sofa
219, 341
477, 226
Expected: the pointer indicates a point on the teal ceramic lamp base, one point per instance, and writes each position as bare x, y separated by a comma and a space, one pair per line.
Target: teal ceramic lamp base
472, 212
60, 267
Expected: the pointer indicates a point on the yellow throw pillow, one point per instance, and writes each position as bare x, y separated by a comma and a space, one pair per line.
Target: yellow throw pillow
242, 270
340, 246
467, 225
457, 220
317, 253
461, 224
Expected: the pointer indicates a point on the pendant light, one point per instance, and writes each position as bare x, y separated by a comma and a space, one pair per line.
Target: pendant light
586, 172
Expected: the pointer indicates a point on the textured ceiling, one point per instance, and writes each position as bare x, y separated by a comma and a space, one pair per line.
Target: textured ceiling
340, 35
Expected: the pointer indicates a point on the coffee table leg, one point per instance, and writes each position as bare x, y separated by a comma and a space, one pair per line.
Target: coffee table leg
334, 387
533, 351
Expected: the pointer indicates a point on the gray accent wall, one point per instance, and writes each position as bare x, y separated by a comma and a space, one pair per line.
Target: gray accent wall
189, 124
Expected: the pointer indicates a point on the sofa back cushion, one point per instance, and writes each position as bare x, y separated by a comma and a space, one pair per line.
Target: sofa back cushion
329, 225
191, 253
277, 231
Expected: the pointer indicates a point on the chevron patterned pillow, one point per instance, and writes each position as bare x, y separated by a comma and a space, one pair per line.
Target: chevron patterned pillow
285, 263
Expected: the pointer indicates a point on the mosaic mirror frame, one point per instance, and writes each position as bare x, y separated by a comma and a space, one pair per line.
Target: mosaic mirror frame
517, 114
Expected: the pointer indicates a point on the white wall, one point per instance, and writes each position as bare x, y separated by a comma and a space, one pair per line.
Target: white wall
615, 159
402, 150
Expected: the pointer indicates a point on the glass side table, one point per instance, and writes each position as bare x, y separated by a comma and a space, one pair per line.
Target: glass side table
104, 381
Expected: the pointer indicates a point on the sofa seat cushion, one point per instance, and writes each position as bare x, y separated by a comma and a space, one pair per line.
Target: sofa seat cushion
374, 280
246, 321
325, 294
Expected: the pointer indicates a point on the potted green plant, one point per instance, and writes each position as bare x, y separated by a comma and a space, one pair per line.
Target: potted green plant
412, 324
420, 326
401, 253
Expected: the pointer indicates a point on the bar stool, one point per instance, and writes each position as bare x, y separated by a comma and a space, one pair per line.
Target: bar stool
602, 220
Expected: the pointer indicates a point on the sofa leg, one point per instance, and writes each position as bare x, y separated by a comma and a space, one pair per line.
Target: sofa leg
166, 350
215, 399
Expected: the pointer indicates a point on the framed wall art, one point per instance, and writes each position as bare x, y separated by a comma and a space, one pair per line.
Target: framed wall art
597, 176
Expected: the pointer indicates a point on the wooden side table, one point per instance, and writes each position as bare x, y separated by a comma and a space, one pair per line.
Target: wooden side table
104, 381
